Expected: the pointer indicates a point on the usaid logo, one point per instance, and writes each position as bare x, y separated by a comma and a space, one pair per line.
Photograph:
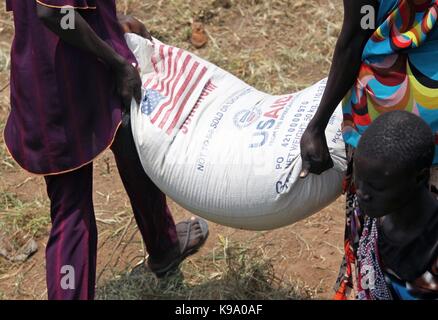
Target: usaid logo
245, 118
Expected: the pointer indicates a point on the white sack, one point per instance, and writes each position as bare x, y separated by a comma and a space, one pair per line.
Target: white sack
224, 150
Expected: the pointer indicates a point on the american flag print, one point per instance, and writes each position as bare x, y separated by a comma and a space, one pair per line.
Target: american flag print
176, 76
150, 101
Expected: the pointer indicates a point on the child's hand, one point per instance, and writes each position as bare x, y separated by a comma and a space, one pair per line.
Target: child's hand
130, 24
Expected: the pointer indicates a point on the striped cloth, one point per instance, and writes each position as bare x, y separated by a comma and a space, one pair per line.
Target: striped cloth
64, 106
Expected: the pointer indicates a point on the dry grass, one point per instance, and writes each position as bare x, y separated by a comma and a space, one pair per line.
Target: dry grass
28, 217
231, 272
278, 46
273, 45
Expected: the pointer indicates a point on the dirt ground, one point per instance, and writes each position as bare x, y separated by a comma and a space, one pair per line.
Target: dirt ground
277, 46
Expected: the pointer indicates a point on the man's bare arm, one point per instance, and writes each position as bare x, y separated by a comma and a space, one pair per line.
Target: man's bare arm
84, 37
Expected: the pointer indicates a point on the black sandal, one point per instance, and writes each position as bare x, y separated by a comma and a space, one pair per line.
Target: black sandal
162, 271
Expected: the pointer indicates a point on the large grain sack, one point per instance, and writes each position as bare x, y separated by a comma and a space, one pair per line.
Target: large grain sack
224, 150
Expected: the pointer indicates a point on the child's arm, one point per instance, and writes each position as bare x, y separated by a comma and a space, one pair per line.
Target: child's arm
344, 70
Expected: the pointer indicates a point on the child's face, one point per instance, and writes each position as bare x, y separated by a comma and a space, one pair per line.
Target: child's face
381, 188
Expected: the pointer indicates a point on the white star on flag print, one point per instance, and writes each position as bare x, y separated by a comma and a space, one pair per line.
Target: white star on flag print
150, 101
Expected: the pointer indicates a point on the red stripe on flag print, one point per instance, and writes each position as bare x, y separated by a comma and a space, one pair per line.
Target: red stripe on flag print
186, 99
148, 81
173, 102
163, 67
172, 92
153, 77
163, 63
168, 71
174, 69
154, 63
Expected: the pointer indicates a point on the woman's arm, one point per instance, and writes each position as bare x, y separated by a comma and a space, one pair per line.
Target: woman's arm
345, 67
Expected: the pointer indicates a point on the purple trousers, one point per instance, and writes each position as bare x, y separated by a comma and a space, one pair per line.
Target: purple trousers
72, 245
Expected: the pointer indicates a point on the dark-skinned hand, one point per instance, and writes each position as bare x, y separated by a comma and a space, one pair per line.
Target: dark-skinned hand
132, 25
128, 85
315, 154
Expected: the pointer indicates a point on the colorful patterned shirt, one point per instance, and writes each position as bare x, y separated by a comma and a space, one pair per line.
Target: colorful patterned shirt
399, 68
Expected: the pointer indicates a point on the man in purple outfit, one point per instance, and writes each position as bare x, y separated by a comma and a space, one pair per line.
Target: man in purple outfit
70, 90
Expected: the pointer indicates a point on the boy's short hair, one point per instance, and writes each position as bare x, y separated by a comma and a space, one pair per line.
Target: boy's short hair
399, 138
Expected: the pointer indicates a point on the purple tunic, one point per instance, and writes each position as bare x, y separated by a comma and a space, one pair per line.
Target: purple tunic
64, 108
